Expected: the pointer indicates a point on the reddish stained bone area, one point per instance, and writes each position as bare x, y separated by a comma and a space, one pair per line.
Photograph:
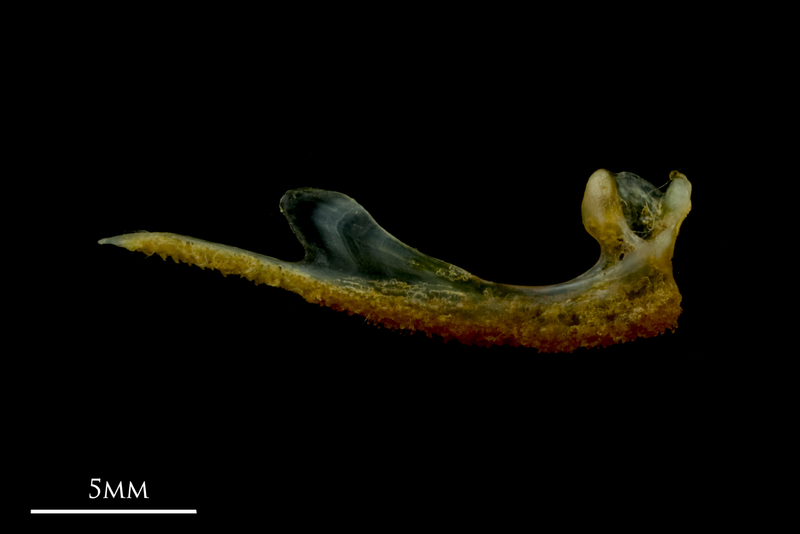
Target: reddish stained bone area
645, 306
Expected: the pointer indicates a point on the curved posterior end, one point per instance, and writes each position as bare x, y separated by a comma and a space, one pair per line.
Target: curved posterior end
622, 211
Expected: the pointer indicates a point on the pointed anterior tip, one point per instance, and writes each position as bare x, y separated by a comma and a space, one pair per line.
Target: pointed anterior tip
118, 240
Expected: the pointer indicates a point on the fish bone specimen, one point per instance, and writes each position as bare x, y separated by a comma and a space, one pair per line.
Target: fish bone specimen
353, 264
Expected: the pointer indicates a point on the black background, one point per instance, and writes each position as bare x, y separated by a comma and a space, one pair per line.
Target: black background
247, 402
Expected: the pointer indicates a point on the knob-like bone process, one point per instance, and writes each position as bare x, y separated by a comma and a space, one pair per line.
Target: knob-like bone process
353, 264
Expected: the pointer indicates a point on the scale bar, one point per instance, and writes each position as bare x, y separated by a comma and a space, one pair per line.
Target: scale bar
113, 511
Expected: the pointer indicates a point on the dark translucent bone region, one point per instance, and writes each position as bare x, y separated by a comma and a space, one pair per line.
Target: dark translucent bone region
343, 242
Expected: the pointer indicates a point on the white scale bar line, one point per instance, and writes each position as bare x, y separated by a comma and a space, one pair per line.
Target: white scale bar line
113, 511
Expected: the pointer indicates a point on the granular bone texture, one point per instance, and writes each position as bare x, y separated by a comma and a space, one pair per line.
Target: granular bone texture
353, 264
